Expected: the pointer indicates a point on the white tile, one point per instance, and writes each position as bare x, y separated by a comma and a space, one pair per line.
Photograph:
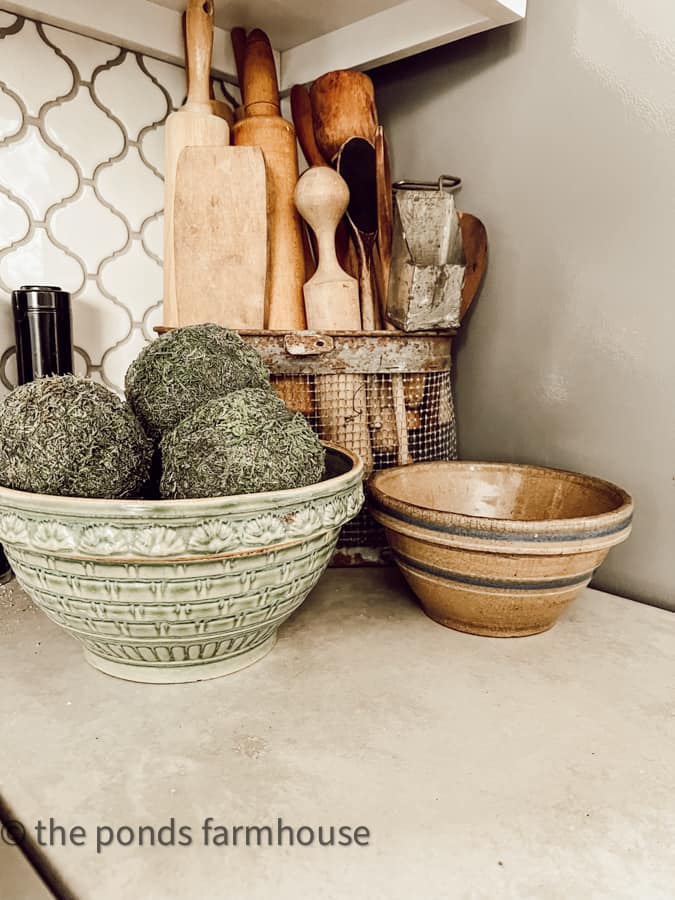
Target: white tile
80, 365
6, 337
88, 228
40, 262
84, 131
118, 360
32, 69
130, 95
36, 173
131, 187
87, 53
14, 223
171, 77
98, 322
10, 372
153, 236
134, 279
11, 117
153, 317
152, 146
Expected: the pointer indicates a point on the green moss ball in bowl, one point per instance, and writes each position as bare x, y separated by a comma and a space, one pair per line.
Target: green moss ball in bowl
244, 443
72, 437
184, 368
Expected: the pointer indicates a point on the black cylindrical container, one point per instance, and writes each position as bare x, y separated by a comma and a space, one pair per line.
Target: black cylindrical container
44, 343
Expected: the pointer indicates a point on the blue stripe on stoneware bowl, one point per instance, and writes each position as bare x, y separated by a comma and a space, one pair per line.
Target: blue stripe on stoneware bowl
495, 548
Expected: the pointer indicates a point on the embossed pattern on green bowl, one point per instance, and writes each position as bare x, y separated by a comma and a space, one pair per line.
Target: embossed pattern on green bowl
178, 590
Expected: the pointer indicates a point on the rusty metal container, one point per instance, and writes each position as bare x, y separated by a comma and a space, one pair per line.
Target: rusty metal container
383, 394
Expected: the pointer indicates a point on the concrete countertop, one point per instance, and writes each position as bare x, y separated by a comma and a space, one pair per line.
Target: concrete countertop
537, 768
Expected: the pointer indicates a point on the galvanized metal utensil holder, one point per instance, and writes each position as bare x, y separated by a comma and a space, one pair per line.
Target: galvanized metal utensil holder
427, 269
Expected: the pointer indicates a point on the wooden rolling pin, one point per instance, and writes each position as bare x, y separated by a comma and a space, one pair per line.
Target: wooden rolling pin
194, 125
332, 304
264, 127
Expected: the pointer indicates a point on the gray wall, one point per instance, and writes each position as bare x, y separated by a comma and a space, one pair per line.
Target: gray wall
562, 128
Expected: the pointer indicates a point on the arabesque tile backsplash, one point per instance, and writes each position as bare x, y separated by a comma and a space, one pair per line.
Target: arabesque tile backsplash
81, 187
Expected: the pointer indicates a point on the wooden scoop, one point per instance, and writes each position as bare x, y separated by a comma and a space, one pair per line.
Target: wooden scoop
343, 106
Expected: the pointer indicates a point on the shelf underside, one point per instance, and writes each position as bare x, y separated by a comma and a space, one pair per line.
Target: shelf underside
309, 37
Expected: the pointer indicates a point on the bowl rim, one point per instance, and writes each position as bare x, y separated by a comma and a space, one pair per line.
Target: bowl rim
622, 514
137, 508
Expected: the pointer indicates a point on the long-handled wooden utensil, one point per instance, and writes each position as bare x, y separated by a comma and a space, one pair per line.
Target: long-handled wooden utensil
194, 125
238, 39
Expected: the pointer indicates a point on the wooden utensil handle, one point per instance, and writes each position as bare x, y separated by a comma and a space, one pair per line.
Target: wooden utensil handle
238, 38
199, 35
368, 317
261, 88
301, 109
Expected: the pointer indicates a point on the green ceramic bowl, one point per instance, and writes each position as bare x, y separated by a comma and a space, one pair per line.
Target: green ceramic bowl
178, 590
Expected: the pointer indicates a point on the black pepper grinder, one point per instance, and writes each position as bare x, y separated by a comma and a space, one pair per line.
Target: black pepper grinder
43, 332
44, 344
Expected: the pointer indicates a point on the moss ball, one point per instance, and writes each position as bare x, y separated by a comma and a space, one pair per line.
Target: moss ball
73, 437
246, 442
184, 368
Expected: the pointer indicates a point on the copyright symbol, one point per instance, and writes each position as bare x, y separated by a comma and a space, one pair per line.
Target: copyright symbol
12, 832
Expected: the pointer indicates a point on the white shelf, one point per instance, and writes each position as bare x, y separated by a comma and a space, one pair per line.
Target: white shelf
310, 37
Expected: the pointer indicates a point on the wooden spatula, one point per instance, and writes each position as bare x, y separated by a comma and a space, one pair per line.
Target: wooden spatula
220, 236
194, 125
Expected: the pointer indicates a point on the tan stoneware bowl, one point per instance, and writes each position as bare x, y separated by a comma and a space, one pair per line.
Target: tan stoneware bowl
497, 549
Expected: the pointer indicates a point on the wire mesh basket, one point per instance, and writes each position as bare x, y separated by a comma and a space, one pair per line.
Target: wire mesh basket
385, 395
